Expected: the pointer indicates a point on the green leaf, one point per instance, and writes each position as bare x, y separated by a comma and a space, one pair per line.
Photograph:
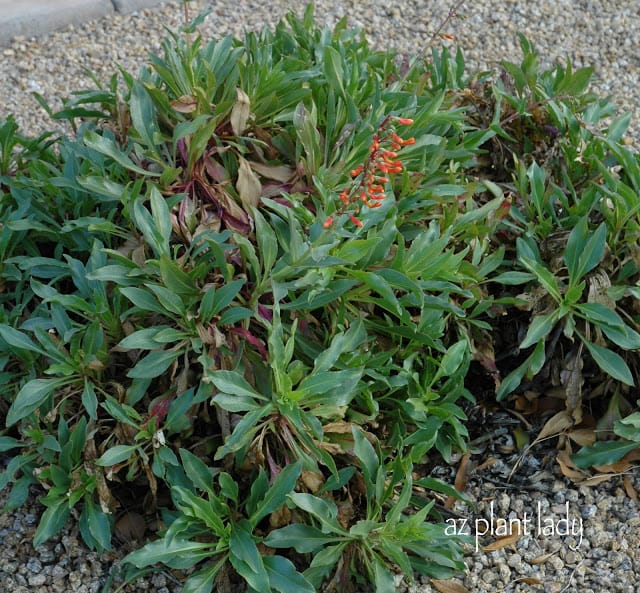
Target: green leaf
513, 278
284, 577
142, 299
599, 313
108, 147
452, 359
603, 453
175, 278
246, 559
232, 383
8, 443
323, 510
276, 496
32, 395
539, 328
610, 362
589, 254
333, 70
203, 580
303, 539
143, 116
52, 521
165, 550
99, 525
383, 577
153, 364
17, 339
90, 400
367, 455
197, 471
267, 241
116, 454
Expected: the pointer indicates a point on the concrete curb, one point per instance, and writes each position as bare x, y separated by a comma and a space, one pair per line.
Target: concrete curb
32, 18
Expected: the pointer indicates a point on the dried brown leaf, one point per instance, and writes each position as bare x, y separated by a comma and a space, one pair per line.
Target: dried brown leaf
451, 586
584, 437
595, 480
568, 468
542, 559
529, 581
503, 542
460, 483
280, 173
555, 425
248, 184
240, 112
312, 480
185, 104
632, 493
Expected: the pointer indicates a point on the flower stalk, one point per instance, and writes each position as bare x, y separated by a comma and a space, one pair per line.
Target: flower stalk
370, 178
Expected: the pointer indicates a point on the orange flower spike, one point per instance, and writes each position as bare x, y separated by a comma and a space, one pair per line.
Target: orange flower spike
327, 223
355, 221
355, 172
404, 121
409, 141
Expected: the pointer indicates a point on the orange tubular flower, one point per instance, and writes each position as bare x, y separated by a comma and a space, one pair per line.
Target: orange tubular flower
370, 177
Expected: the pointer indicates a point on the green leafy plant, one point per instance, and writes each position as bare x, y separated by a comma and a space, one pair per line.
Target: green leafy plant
262, 283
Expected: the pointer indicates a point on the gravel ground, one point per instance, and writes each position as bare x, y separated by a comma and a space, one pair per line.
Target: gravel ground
607, 558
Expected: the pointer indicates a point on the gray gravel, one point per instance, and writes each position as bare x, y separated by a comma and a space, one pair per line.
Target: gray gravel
601, 33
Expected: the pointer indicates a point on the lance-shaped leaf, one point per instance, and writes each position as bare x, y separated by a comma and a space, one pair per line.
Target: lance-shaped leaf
248, 184
240, 112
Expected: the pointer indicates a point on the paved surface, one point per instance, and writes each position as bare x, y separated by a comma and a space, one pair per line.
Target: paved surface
31, 18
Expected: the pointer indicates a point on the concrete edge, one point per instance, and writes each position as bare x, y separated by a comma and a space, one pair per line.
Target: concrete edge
33, 18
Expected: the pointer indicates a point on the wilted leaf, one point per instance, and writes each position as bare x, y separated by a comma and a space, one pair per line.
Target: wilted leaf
542, 559
503, 542
185, 104
460, 483
452, 586
582, 436
312, 480
281, 173
529, 581
555, 425
595, 480
248, 184
240, 112
568, 468
632, 493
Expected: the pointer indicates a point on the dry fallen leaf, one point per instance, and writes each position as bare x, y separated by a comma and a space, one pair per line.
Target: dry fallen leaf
529, 581
555, 425
632, 493
542, 559
280, 173
595, 480
312, 480
452, 586
584, 437
568, 468
503, 542
460, 483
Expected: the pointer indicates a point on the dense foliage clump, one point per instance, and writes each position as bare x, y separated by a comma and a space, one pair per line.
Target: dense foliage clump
251, 293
